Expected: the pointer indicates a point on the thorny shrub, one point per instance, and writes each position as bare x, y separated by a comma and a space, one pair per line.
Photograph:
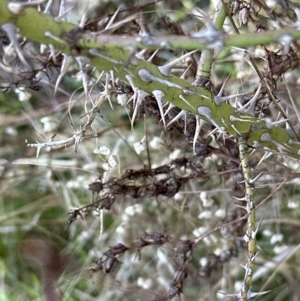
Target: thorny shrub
160, 192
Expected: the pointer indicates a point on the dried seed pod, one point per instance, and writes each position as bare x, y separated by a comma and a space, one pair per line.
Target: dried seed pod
173, 186
173, 291
95, 187
179, 275
110, 264
244, 16
106, 202
97, 265
151, 190
140, 243
116, 251
117, 188
235, 6
135, 174
184, 249
278, 64
154, 238
73, 217
133, 191
164, 169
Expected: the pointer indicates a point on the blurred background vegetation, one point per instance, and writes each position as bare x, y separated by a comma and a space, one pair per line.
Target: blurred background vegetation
43, 259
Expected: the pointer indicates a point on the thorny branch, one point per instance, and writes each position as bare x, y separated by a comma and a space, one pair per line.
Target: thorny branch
151, 75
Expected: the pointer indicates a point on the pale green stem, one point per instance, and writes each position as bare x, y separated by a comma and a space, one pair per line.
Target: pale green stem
205, 61
251, 221
33, 25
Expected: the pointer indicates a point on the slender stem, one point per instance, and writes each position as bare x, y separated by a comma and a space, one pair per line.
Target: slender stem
205, 61
33, 25
251, 221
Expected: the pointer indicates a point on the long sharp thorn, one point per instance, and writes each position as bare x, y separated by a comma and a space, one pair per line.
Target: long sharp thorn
84, 16
152, 56
199, 123
185, 121
166, 69
253, 235
107, 90
140, 95
253, 294
253, 180
185, 72
10, 30
218, 98
140, 55
264, 157
81, 62
229, 295
159, 99
206, 112
242, 207
170, 107
110, 27
240, 199
251, 103
134, 98
178, 116
66, 63
112, 19
253, 257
